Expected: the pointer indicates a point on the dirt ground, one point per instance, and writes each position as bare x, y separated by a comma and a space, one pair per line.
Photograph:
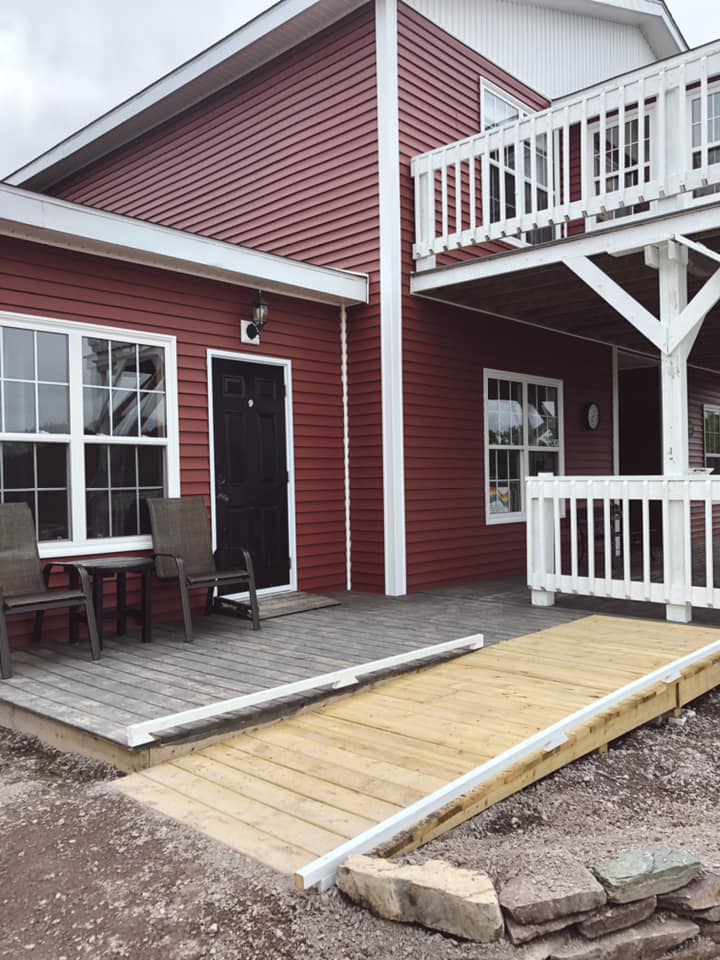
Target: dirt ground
85, 872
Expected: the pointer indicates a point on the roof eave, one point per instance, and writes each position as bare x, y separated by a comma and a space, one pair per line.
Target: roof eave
281, 27
53, 222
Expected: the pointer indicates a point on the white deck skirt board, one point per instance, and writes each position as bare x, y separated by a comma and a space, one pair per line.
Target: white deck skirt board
30, 216
322, 871
141, 733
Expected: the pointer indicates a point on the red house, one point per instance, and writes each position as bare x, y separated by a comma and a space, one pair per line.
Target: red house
487, 237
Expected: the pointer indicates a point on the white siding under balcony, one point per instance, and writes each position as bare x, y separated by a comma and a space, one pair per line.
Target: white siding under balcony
553, 51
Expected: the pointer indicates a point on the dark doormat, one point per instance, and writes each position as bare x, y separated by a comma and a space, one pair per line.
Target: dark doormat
282, 604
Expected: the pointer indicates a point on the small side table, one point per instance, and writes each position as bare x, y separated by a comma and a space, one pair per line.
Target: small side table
120, 567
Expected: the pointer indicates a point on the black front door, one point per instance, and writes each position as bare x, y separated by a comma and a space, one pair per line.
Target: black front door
251, 480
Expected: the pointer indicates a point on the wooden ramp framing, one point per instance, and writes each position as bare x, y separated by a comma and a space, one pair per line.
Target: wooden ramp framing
408, 759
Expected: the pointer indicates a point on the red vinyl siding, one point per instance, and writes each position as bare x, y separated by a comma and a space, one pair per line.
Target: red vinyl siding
284, 160
439, 90
446, 349
203, 314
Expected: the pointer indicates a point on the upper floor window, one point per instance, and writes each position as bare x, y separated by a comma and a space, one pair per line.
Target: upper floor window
523, 437
711, 417
511, 176
86, 433
617, 166
712, 128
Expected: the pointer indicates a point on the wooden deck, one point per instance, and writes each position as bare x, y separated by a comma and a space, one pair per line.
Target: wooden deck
297, 789
58, 694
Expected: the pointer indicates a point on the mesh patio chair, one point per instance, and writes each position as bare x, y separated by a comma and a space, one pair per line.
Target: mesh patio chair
24, 584
183, 550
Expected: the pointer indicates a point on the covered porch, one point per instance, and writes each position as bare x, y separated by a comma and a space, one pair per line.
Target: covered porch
649, 289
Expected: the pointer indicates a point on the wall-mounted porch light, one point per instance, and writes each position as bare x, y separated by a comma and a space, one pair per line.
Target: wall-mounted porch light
251, 330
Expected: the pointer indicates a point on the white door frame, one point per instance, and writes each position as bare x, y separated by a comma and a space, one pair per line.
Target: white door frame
289, 448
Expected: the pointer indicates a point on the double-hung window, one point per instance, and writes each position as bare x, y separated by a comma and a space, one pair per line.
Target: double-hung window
523, 437
88, 430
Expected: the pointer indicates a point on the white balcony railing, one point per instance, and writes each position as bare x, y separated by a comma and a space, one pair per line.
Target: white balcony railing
608, 151
652, 539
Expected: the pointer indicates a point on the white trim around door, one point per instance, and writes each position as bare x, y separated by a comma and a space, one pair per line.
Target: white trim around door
289, 447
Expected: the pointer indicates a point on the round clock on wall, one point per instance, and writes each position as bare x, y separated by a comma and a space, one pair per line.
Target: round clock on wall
592, 416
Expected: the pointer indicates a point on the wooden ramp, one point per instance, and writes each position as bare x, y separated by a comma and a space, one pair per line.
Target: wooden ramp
299, 789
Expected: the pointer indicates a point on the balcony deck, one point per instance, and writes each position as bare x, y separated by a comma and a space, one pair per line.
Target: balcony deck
577, 165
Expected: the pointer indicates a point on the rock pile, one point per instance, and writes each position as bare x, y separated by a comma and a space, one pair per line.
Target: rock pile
637, 906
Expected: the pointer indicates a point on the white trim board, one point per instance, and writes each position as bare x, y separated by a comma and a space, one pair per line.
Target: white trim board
141, 733
386, 27
58, 223
289, 452
322, 871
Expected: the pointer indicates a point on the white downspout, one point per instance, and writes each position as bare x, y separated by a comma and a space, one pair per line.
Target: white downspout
346, 443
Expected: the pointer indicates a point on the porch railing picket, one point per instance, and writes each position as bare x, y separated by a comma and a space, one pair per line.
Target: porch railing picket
674, 564
540, 178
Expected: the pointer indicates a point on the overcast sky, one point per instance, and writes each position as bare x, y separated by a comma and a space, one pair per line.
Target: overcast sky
64, 62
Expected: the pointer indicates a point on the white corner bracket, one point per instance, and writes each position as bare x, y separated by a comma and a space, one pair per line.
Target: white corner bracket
142, 732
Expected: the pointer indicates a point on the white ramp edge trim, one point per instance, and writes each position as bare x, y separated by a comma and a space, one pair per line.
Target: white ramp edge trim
323, 870
142, 732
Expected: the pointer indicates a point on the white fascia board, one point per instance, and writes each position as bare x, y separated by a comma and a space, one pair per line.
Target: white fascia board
651, 16
278, 29
47, 220
615, 241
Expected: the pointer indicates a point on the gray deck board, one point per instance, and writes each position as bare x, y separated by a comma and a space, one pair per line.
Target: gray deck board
135, 681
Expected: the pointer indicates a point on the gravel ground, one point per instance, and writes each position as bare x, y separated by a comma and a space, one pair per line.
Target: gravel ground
85, 872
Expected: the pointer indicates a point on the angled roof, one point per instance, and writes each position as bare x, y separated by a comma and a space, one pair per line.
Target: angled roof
57, 223
278, 29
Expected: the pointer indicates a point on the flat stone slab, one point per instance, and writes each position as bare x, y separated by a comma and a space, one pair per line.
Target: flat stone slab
703, 893
434, 894
519, 933
644, 942
637, 874
564, 886
614, 917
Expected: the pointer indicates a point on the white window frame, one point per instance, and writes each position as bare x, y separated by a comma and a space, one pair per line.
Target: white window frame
709, 408
525, 379
488, 86
79, 545
593, 223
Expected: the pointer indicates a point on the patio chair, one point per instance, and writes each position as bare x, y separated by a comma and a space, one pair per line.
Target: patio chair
24, 584
183, 550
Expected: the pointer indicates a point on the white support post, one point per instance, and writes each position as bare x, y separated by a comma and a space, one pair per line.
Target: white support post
543, 547
674, 388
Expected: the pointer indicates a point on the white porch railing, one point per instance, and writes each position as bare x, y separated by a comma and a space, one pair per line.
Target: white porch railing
652, 539
647, 136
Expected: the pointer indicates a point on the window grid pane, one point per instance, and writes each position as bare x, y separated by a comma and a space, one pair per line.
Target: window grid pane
37, 474
34, 388
120, 478
123, 389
